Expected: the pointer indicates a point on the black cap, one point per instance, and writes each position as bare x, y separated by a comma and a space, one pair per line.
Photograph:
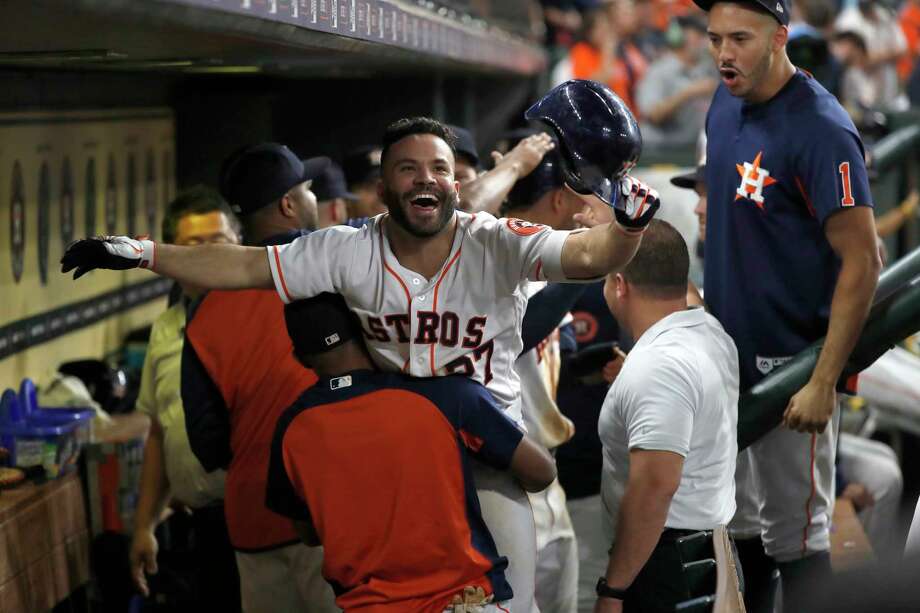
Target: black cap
690, 179
362, 164
778, 8
331, 184
259, 175
320, 324
465, 145
547, 176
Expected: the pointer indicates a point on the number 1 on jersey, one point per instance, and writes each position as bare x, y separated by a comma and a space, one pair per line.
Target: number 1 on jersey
847, 199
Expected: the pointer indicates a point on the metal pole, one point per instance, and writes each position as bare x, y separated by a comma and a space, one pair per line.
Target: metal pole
895, 315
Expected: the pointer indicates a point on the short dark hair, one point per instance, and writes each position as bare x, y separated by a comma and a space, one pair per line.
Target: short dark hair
401, 128
661, 266
854, 38
196, 200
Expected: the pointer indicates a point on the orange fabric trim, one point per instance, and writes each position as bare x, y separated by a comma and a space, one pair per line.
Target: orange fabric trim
852, 383
281, 274
434, 305
395, 274
473, 443
811, 209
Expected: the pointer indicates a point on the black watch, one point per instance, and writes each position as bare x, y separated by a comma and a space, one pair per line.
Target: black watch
605, 591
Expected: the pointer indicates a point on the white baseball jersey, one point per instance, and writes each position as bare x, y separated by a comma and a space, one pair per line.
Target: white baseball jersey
466, 319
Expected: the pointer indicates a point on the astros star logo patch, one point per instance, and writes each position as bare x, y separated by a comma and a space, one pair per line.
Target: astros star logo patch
753, 181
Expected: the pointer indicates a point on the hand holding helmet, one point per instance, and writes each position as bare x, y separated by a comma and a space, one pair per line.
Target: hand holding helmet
637, 206
599, 142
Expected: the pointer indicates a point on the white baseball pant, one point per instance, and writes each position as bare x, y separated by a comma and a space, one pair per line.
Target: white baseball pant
507, 513
557, 552
795, 473
286, 580
593, 555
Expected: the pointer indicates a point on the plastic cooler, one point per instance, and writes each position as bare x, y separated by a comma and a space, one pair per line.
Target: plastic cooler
52, 446
81, 417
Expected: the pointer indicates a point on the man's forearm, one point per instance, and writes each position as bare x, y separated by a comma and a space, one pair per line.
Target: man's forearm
489, 190
153, 485
598, 251
849, 307
643, 512
215, 266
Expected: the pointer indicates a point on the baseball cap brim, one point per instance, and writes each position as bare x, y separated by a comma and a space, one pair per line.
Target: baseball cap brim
777, 8
314, 167
337, 193
690, 179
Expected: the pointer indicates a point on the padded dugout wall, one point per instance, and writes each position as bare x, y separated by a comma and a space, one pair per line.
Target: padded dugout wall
65, 175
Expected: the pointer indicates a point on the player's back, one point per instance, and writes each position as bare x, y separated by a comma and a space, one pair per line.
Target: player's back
377, 458
240, 340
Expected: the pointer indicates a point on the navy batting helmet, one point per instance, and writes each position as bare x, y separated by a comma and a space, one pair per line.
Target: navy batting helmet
598, 136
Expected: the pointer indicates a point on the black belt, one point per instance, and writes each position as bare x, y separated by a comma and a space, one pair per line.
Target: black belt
672, 534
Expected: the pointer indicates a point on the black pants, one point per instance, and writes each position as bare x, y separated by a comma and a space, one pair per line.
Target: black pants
218, 578
662, 583
758, 568
197, 567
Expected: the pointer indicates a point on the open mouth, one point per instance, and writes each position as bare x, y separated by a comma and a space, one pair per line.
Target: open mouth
424, 201
729, 76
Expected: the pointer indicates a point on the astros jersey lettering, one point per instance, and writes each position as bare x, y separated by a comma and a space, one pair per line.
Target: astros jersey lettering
775, 173
465, 320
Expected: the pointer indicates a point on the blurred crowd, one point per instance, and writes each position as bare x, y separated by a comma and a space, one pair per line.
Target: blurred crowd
654, 55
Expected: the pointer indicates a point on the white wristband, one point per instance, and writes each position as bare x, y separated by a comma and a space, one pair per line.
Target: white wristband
143, 251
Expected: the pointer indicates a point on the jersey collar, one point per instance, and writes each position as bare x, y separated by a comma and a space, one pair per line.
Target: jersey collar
794, 80
687, 318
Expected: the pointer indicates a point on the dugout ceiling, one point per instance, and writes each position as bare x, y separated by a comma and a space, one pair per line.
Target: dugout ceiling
297, 38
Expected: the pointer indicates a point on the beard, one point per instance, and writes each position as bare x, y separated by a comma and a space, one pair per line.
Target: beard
397, 204
758, 73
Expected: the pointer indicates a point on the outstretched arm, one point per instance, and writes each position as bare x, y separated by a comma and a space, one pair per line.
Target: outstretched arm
609, 247
204, 266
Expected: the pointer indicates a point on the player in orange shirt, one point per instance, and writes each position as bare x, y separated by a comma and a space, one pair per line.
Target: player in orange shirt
376, 467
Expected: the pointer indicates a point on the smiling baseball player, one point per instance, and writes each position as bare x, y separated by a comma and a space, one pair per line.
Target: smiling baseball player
439, 291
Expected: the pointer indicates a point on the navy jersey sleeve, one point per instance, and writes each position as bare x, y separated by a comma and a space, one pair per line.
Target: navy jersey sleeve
207, 419
280, 495
489, 434
832, 171
567, 341
546, 309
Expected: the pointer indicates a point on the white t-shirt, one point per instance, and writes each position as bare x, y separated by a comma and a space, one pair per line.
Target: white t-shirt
466, 319
678, 392
160, 397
